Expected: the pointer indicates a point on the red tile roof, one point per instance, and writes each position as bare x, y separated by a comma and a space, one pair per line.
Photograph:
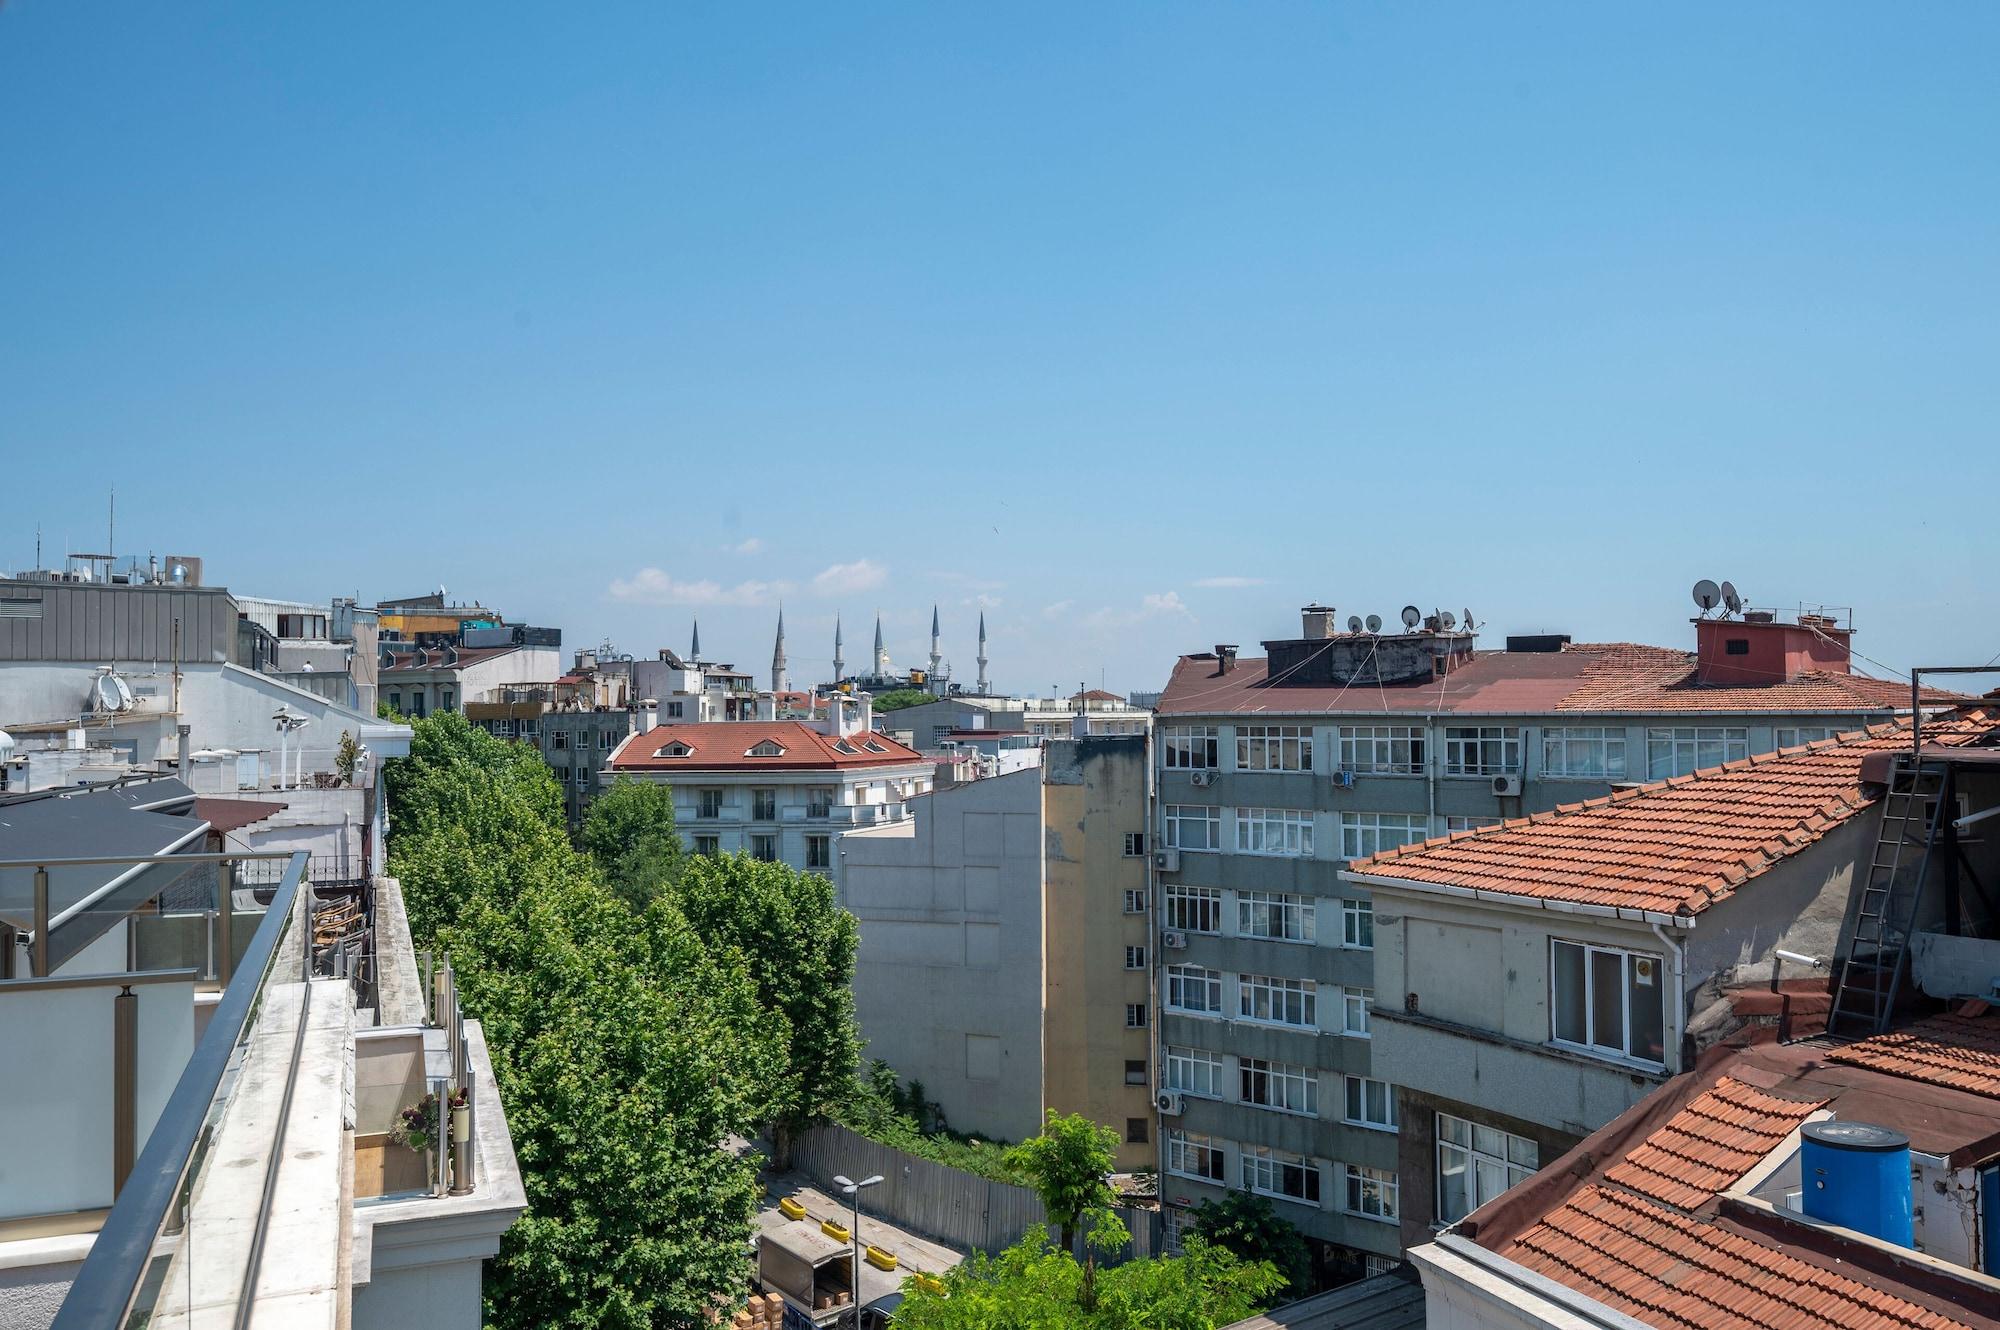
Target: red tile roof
1673, 847
1960, 1051
724, 745
1604, 677
435, 658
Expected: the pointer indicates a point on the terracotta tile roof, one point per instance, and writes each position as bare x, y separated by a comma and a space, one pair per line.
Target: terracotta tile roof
1604, 677
1707, 1146
1960, 1051
435, 658
1673, 847
725, 745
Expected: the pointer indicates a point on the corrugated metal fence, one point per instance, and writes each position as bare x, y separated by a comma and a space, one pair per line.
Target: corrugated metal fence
937, 1201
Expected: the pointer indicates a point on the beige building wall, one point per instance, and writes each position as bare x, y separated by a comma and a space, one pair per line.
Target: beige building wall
1094, 796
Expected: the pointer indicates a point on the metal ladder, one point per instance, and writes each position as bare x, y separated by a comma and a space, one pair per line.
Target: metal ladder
1878, 952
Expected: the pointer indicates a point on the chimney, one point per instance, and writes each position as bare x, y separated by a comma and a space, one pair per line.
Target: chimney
182, 758
1319, 622
649, 714
1226, 653
1764, 650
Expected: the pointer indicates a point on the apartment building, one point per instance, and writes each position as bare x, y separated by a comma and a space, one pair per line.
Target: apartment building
418, 681
778, 790
1336, 746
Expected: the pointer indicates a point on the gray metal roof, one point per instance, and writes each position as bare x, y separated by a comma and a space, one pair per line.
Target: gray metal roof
1394, 1301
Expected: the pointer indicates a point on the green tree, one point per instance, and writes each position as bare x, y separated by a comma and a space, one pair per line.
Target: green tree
1244, 1224
629, 830
1036, 1286
1069, 1166
898, 698
347, 757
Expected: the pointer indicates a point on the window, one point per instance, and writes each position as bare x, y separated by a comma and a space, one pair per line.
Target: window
1607, 1000
1791, 736
1365, 834
819, 803
445, 699
606, 740
1135, 958
1135, 1071
1456, 823
1275, 1173
417, 704
396, 703
819, 853
1370, 1103
562, 774
530, 727
707, 845
1135, 1015
1277, 915
1194, 909
1382, 750
1475, 1164
1135, 900
1372, 1193
1274, 748
764, 849
1188, 747
1355, 1004
1135, 845
1674, 751
768, 748
559, 740
1735, 646
1191, 827
1193, 989
1481, 750
763, 805
1278, 1085
1274, 831
1194, 1071
1357, 924
675, 710
1192, 1155
1174, 1224
1135, 1131
1594, 752
1262, 997
711, 803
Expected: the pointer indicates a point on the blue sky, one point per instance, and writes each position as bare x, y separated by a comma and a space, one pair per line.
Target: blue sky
1138, 325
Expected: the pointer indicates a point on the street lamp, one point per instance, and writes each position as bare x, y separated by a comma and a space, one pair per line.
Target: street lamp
852, 1190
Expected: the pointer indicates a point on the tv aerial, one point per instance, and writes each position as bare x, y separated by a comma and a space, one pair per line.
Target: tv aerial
1353, 623
1412, 616
1731, 599
1707, 595
1374, 623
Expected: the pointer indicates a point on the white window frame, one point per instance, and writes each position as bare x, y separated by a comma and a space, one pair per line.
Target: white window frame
1467, 751
1185, 907
707, 797
1584, 752
1190, 747
1135, 845
1286, 1087
1263, 1170
1355, 1006
819, 852
1179, 821
1135, 1015
1274, 832
1194, 1071
1366, 834
1189, 1154
1372, 1193
1678, 750
1280, 998
762, 841
1357, 923
1285, 916
1795, 736
1383, 750
1456, 822
1489, 1159
1629, 969
1274, 748
1360, 1091
762, 798
1179, 982
1135, 900
1135, 957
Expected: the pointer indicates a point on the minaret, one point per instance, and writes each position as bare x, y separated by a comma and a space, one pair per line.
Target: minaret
778, 684
982, 653
881, 652
935, 657
839, 665
694, 647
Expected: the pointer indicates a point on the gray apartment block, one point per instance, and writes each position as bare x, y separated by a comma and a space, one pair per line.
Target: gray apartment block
1274, 772
576, 745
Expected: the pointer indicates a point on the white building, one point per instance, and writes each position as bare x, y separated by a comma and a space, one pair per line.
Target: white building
416, 681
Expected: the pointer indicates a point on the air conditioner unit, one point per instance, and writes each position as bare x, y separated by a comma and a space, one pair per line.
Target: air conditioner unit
1171, 1103
1507, 785
1173, 939
1201, 777
1343, 780
1167, 860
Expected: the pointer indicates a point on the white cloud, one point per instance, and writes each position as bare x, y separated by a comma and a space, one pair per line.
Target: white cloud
1057, 610
982, 601
1156, 605
1227, 583
754, 545
842, 578
654, 586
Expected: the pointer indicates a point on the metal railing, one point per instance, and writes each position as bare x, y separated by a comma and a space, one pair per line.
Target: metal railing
126, 1275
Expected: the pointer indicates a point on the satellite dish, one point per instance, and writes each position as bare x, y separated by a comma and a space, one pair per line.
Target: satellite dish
1448, 619
113, 693
1412, 616
1707, 595
1468, 621
1731, 599
1374, 623
1353, 623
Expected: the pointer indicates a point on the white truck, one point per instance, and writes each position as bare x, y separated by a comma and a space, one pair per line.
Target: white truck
812, 1272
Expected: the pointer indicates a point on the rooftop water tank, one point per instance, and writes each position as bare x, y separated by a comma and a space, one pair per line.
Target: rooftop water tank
1857, 1175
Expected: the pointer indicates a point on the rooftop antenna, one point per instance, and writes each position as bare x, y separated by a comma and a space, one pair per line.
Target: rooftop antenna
1412, 616
1374, 623
1468, 620
1731, 598
1353, 623
111, 526
1707, 595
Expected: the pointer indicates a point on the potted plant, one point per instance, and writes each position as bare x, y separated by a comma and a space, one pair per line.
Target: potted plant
417, 1126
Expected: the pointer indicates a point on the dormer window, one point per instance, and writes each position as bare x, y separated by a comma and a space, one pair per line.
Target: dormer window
872, 746
674, 749
842, 746
768, 748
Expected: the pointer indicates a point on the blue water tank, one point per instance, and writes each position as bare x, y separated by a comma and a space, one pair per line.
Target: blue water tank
1857, 1175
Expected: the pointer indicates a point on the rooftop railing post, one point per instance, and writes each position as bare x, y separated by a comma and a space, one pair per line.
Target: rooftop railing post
124, 1086
225, 922
461, 1143
39, 956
